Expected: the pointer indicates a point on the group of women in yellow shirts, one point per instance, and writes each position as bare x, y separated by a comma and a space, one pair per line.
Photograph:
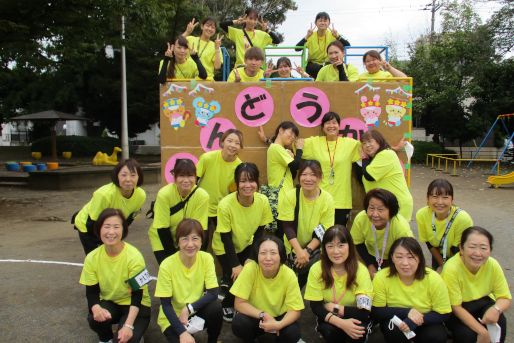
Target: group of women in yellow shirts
190, 57
374, 271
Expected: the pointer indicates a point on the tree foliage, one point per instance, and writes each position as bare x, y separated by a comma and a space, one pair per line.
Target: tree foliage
460, 79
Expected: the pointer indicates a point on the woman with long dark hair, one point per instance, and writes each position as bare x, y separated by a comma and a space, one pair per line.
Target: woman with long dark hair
180, 62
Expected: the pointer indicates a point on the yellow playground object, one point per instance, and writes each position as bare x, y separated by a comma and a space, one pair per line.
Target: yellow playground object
102, 159
497, 180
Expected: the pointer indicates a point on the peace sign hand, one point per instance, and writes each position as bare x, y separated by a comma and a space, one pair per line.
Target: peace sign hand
334, 32
169, 52
217, 41
192, 51
238, 77
310, 31
191, 26
240, 20
263, 24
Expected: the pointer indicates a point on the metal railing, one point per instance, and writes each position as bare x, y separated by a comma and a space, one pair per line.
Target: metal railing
454, 159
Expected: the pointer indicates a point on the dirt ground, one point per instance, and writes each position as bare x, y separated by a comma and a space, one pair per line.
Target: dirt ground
45, 303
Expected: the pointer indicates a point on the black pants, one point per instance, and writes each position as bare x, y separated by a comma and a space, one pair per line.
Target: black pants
226, 266
89, 241
161, 255
212, 222
341, 216
333, 334
424, 334
313, 69
462, 333
247, 330
213, 317
119, 314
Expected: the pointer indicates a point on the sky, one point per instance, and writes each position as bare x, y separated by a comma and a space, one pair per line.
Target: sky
371, 22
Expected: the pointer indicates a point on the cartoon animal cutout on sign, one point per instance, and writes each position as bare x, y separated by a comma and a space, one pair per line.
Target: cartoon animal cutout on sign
204, 111
370, 110
396, 109
175, 110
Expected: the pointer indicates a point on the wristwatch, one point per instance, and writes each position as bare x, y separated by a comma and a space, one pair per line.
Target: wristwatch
309, 250
261, 315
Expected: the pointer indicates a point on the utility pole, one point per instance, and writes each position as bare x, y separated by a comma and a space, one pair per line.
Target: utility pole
124, 119
433, 7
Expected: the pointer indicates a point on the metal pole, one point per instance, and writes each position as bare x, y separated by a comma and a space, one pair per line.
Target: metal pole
124, 120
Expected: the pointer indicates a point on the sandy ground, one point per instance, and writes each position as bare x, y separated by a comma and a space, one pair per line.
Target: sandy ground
45, 303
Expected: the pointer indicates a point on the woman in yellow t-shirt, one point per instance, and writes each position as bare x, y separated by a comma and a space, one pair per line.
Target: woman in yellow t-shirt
440, 223
181, 62
174, 202
336, 155
282, 165
242, 216
215, 169
249, 36
124, 193
376, 228
208, 51
378, 68
305, 212
188, 288
116, 281
479, 292
337, 70
316, 42
283, 70
339, 289
416, 295
268, 299
382, 169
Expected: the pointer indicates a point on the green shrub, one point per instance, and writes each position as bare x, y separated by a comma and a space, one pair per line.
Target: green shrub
80, 146
421, 149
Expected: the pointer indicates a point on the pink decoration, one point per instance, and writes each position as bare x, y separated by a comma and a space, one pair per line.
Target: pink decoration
171, 163
254, 106
210, 134
308, 106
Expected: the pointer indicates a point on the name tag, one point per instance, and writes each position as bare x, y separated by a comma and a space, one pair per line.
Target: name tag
363, 302
320, 232
139, 280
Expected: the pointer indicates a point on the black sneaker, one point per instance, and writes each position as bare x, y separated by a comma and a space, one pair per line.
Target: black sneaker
228, 314
224, 290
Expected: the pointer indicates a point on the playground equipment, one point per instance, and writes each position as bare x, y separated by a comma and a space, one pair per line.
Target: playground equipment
363, 49
501, 118
102, 159
497, 180
66, 154
453, 158
36, 155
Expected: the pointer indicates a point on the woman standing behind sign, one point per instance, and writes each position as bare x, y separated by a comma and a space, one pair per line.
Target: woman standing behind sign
336, 155
215, 170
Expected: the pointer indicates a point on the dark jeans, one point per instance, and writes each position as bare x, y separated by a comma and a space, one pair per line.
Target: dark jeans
462, 333
341, 216
424, 334
161, 255
213, 317
333, 334
89, 241
226, 266
119, 314
247, 330
313, 69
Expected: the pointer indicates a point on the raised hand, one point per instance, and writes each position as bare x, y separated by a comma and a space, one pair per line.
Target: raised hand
217, 41
310, 31
240, 20
169, 51
334, 32
263, 24
191, 26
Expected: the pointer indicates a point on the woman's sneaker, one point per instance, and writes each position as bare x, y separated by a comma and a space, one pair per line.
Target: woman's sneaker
228, 314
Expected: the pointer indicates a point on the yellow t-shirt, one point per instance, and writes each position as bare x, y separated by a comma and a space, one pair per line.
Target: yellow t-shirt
184, 285
424, 220
274, 296
217, 177
465, 286
318, 46
168, 196
244, 77
381, 74
362, 233
316, 291
207, 53
241, 221
344, 154
186, 70
278, 160
311, 213
329, 73
112, 273
260, 39
428, 294
109, 196
386, 169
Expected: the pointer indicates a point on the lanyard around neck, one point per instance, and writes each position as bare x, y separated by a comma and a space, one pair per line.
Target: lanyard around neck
380, 257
